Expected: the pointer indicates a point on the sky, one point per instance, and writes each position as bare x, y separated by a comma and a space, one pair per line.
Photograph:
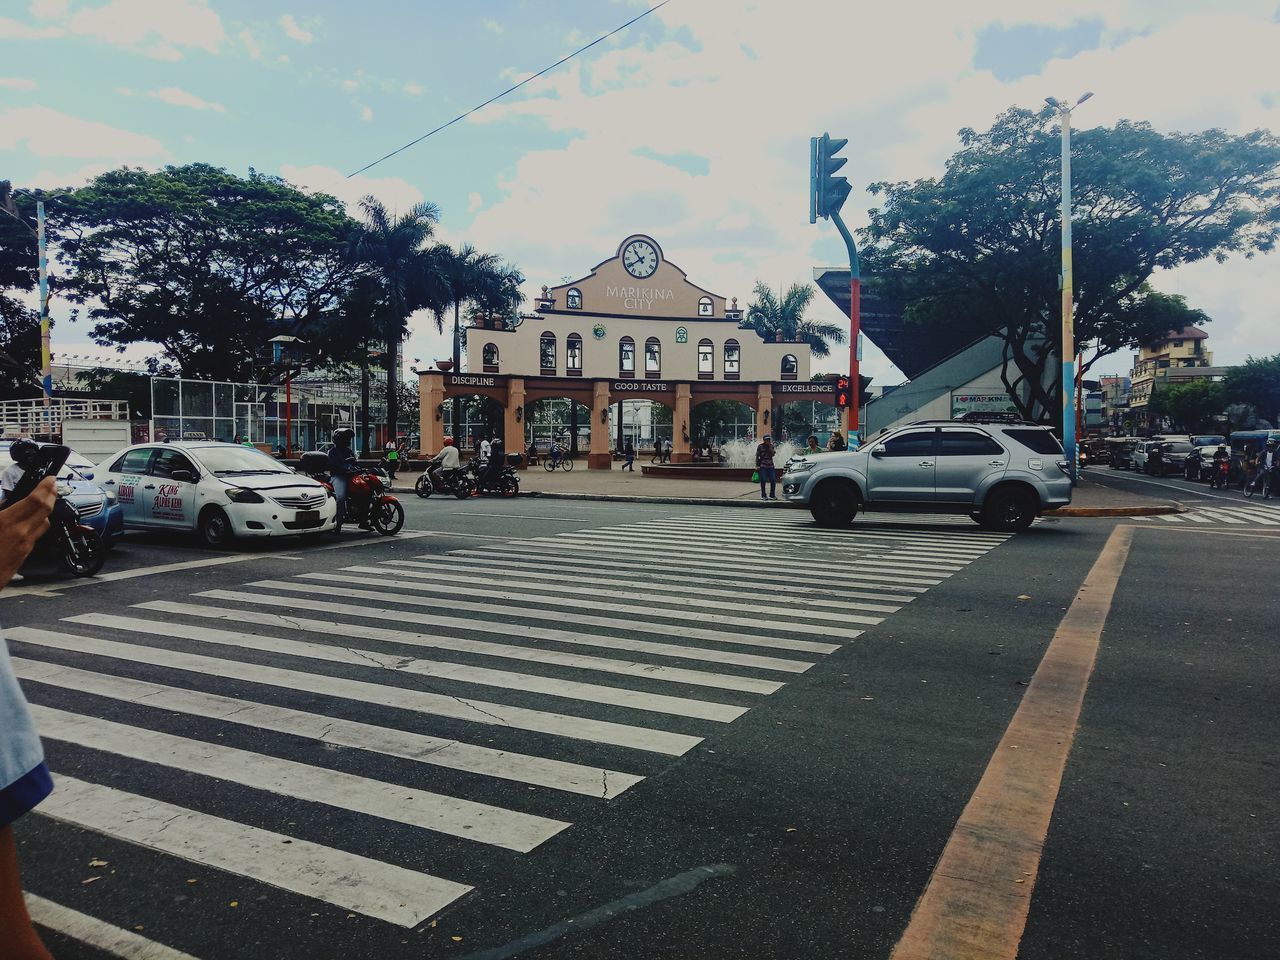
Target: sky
691, 125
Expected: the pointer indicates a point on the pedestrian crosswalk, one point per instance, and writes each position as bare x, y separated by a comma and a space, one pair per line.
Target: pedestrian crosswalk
479, 702
1243, 514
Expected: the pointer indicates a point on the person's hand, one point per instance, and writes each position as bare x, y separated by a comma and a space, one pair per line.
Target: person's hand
21, 525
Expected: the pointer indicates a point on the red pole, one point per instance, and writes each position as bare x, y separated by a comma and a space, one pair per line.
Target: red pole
288, 415
855, 380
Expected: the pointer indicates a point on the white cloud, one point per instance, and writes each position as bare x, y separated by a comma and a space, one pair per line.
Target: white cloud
414, 89
474, 202
395, 192
366, 112
13, 30
48, 9
178, 97
493, 26
350, 84
251, 45
52, 179
48, 133
17, 83
293, 31
125, 91
163, 26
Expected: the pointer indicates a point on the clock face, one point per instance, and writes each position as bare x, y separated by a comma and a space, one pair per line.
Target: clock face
640, 259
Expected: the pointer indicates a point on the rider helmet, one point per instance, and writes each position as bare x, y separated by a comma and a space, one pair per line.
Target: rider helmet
343, 436
23, 452
1273, 441
448, 441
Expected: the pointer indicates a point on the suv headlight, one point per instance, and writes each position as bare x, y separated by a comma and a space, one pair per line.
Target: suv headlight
244, 495
799, 466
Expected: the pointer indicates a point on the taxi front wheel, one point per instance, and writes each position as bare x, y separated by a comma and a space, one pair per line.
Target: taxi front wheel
215, 529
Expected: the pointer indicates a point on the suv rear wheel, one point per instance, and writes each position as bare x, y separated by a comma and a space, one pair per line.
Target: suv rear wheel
833, 504
1009, 510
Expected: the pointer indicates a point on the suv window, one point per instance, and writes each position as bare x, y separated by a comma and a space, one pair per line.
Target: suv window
918, 444
968, 443
134, 461
1040, 441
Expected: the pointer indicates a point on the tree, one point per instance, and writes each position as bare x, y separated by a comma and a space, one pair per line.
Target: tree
207, 264
392, 250
978, 247
769, 316
1191, 406
1256, 382
19, 324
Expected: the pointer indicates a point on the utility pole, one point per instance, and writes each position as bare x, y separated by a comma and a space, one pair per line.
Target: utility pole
457, 369
46, 356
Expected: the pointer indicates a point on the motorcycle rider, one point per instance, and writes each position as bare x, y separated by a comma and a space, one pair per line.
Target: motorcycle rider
492, 471
342, 464
1271, 465
22, 452
1191, 466
446, 460
1220, 456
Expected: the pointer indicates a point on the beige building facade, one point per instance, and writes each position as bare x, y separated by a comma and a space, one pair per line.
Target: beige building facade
633, 327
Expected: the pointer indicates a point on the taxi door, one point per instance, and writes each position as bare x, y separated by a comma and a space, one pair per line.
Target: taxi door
128, 477
171, 502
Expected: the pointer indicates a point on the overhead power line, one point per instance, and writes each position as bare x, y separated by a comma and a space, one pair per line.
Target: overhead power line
511, 89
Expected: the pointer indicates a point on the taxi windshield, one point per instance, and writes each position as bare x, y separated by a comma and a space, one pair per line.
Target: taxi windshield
237, 460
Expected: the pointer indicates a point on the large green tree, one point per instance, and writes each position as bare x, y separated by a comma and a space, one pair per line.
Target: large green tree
205, 263
769, 315
1256, 382
19, 323
978, 247
1192, 406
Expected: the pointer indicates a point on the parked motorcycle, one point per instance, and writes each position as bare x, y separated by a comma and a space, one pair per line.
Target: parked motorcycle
368, 501
457, 482
505, 483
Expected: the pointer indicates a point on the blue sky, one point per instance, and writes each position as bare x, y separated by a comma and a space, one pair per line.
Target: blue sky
692, 125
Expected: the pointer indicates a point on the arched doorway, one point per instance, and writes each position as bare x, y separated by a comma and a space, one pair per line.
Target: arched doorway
716, 422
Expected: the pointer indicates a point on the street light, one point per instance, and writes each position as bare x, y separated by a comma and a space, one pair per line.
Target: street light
1068, 288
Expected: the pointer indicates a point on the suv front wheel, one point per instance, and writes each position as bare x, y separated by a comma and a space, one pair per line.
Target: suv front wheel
1009, 510
833, 504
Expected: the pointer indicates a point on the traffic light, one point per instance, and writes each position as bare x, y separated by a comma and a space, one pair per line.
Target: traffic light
840, 395
827, 192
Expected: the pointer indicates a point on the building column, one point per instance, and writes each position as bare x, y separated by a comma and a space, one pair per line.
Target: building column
764, 407
430, 419
513, 418
680, 449
600, 457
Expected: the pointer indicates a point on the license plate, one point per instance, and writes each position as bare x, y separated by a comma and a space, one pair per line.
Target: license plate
311, 517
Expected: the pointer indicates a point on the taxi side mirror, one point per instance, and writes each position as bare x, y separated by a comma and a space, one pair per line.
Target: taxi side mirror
182, 476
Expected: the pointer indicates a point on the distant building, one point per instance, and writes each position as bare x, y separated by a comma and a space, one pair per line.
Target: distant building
1115, 403
1179, 356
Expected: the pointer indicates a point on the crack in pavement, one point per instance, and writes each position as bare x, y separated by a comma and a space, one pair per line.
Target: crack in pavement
468, 703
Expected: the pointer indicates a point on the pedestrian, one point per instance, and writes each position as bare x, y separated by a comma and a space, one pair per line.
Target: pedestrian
629, 451
813, 447
393, 459
765, 468
836, 444
485, 449
666, 451
24, 778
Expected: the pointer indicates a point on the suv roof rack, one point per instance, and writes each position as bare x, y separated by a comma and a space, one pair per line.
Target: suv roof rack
974, 417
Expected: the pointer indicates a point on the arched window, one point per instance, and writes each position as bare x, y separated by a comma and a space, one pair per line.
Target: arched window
704, 307
626, 358
573, 355
547, 354
706, 360
653, 358
573, 299
490, 356
790, 366
732, 360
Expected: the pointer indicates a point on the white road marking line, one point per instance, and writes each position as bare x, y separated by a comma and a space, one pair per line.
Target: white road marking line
738, 541
673, 608
434, 669
1193, 517
1170, 518
480, 822
1261, 515
1218, 515
815, 534
356, 691
453, 754
97, 933
521, 613
902, 524
1188, 491
530, 516
760, 582
355, 883
445, 534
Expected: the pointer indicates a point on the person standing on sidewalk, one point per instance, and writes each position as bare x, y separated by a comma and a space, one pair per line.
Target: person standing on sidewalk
629, 451
24, 778
766, 469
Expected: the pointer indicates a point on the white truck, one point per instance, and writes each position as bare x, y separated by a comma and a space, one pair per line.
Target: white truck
96, 440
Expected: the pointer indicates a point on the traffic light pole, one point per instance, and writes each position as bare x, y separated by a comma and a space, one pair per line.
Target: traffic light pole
854, 426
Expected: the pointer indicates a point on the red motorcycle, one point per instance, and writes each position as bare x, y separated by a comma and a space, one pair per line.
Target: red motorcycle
367, 499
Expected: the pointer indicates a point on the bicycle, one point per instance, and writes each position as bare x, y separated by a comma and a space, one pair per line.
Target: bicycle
564, 461
1252, 486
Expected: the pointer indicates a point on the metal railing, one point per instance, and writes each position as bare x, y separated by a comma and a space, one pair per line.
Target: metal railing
31, 416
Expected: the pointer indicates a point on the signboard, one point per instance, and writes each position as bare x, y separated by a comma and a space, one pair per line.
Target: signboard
471, 380
962, 403
811, 390
641, 386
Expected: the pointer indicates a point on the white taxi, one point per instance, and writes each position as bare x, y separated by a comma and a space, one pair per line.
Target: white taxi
219, 490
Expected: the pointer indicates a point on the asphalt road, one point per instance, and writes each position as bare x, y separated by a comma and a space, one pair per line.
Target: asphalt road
622, 798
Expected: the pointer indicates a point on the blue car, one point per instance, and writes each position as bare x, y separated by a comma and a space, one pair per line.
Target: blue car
97, 508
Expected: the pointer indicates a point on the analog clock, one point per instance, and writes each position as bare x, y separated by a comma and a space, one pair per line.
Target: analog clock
640, 259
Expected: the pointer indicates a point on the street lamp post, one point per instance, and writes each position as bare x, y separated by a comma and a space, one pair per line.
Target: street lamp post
1068, 289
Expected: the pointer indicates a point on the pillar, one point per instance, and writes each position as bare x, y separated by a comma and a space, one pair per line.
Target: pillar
680, 420
513, 418
600, 458
430, 417
764, 407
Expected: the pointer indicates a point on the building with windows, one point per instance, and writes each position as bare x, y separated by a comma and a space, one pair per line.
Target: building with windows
633, 327
1178, 357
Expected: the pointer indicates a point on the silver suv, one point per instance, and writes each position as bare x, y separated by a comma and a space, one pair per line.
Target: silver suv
1002, 474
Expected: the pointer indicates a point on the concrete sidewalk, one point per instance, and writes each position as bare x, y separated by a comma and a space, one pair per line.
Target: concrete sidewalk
1090, 499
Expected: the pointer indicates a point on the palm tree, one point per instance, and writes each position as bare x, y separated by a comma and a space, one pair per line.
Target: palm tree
390, 248
768, 316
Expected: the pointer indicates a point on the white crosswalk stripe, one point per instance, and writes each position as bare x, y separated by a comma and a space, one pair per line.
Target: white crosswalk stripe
1233, 515
491, 669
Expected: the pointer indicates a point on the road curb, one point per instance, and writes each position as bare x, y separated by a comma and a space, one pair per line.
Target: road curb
631, 498
1116, 511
